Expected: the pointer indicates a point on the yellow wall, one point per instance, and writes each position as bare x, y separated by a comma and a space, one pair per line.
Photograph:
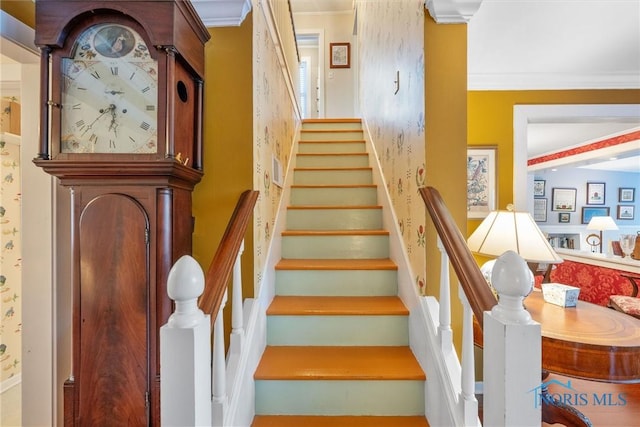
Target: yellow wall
490, 122
22, 10
446, 139
228, 143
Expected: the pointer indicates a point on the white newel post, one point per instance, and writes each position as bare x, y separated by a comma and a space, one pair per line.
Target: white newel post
445, 333
237, 326
512, 349
185, 387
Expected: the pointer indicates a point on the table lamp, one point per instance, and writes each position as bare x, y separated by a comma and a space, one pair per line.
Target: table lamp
509, 230
599, 223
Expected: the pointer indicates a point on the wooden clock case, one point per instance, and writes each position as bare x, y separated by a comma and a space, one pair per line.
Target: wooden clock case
130, 214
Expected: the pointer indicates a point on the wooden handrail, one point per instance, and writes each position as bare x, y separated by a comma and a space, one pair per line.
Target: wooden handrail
224, 259
471, 279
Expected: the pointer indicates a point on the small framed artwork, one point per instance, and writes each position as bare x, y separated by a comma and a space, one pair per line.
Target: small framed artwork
626, 195
590, 212
481, 181
538, 187
540, 210
340, 55
626, 212
563, 199
564, 217
595, 193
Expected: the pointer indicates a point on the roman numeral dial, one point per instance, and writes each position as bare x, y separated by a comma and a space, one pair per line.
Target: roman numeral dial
109, 93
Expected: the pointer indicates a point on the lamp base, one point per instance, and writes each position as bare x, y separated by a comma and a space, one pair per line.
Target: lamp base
594, 241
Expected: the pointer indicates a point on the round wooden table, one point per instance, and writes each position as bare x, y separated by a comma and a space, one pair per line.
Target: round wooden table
588, 341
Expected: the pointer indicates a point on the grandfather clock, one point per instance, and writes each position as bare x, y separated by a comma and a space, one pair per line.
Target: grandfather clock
121, 129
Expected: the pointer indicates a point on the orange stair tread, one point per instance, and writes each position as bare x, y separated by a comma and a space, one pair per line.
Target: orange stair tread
333, 120
332, 141
325, 207
331, 154
338, 421
353, 232
334, 305
338, 363
337, 264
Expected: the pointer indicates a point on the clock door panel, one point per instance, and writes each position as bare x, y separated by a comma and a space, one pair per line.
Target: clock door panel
112, 378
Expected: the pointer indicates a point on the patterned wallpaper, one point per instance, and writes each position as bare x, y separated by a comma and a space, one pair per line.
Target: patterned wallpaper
394, 34
274, 125
10, 259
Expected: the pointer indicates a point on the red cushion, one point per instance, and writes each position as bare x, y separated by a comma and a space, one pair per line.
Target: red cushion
625, 304
596, 283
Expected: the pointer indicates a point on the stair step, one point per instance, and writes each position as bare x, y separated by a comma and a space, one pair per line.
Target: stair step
351, 146
331, 244
338, 421
328, 176
330, 134
332, 124
332, 321
322, 195
302, 305
338, 363
334, 217
306, 160
336, 380
337, 277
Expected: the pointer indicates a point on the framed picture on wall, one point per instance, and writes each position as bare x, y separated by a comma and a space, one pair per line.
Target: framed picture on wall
564, 217
626, 212
481, 181
590, 212
563, 199
626, 195
538, 187
340, 55
595, 193
540, 210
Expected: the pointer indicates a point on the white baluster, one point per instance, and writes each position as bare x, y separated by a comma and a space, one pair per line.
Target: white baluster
445, 334
468, 380
219, 401
237, 326
513, 372
185, 388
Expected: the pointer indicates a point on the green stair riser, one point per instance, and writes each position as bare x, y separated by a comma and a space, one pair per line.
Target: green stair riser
338, 135
333, 177
335, 247
334, 219
360, 330
336, 161
332, 147
338, 397
337, 282
332, 125
334, 196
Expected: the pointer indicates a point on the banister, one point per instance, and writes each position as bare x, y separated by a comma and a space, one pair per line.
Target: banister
471, 279
222, 263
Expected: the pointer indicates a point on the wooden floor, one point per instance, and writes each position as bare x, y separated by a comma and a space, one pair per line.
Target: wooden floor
325, 421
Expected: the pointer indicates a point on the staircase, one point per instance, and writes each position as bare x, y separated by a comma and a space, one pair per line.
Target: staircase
337, 334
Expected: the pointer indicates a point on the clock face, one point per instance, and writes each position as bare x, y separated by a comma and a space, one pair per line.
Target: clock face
109, 94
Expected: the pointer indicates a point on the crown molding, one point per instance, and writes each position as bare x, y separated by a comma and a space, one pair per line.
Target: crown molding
222, 13
551, 81
452, 11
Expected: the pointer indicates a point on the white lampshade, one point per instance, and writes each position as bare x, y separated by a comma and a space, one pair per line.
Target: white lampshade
517, 231
602, 223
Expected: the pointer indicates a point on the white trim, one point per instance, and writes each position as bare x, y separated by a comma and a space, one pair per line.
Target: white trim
222, 13
9, 383
551, 81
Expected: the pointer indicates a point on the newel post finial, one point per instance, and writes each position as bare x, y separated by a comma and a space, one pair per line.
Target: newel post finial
513, 280
185, 284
